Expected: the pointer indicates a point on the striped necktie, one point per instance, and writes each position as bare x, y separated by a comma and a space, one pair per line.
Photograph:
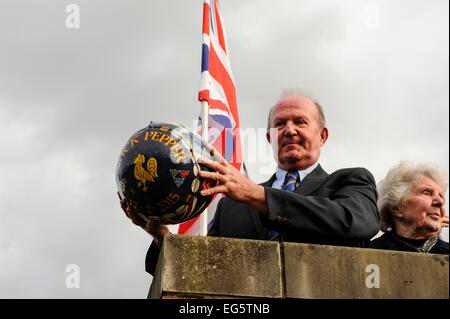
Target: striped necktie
288, 185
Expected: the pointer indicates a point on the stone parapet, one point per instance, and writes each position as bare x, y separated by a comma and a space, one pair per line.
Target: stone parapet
214, 267
315, 271
191, 266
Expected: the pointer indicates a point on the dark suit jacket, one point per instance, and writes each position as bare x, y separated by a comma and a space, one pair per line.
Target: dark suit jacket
337, 209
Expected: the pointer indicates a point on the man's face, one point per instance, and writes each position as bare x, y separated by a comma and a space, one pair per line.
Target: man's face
295, 134
422, 209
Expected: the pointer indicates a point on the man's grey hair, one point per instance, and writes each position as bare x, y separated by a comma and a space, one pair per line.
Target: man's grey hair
300, 92
397, 184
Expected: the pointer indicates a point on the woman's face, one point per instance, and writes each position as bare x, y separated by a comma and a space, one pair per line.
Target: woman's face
422, 208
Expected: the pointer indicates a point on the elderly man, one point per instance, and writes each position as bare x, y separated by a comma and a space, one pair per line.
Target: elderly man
300, 202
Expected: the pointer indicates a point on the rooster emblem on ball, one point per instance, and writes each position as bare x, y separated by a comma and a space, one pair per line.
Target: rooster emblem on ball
145, 175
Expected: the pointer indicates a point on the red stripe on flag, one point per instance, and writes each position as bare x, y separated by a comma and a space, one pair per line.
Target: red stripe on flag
220, 29
237, 154
206, 18
220, 74
219, 105
183, 228
203, 95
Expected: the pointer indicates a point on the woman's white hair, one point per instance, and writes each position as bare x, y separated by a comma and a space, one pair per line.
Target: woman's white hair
397, 184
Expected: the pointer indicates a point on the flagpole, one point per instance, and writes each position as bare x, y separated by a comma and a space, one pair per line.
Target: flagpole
204, 215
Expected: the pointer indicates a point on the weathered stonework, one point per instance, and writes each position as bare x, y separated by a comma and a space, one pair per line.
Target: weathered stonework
213, 267
316, 271
193, 265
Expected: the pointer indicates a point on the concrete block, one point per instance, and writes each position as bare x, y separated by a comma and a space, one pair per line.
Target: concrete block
197, 265
315, 271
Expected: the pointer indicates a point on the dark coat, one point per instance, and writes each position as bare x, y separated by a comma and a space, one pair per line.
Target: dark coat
391, 241
338, 209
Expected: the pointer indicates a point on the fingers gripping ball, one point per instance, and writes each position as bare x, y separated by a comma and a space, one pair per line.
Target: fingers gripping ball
158, 173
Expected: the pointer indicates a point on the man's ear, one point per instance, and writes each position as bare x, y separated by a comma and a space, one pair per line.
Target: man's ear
323, 135
268, 136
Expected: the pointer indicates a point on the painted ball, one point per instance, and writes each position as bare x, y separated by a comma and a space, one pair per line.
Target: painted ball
158, 173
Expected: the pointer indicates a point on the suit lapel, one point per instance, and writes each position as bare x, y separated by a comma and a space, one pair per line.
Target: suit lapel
270, 181
307, 186
312, 181
255, 216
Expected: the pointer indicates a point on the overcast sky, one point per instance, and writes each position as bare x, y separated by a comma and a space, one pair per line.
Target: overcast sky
70, 99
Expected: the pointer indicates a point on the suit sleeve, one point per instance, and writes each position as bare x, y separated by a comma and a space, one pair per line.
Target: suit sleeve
215, 228
348, 210
152, 258
153, 251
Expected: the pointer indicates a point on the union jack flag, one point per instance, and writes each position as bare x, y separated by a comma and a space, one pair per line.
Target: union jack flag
217, 88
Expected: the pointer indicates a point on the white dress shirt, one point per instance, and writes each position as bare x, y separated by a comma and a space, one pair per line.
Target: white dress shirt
281, 175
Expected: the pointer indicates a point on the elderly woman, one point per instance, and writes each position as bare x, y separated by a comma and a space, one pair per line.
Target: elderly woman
411, 204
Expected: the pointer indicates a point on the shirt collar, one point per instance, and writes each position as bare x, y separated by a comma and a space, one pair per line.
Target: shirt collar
281, 174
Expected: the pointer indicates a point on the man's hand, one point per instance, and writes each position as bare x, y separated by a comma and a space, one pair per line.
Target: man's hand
231, 182
158, 231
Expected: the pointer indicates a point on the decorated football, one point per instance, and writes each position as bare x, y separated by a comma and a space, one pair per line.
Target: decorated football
157, 173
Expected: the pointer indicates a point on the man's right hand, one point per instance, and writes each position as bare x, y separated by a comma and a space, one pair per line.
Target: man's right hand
158, 231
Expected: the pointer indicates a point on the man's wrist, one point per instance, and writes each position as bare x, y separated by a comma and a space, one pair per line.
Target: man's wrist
159, 238
257, 198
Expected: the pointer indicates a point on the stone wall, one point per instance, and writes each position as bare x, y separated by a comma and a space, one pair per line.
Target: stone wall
213, 267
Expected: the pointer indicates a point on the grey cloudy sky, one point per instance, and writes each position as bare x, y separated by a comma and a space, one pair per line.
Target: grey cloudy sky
70, 99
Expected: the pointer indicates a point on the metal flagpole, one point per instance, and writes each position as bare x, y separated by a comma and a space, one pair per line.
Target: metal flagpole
204, 215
